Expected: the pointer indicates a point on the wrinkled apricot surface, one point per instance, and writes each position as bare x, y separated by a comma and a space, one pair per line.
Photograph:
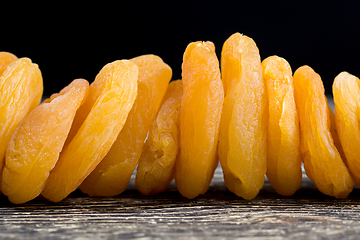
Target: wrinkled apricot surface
346, 92
156, 165
112, 175
111, 96
37, 141
322, 161
21, 88
5, 59
284, 157
200, 112
242, 141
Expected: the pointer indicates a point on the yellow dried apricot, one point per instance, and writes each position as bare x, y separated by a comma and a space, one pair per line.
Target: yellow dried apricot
111, 96
37, 141
157, 162
243, 133
112, 175
346, 91
284, 156
322, 161
21, 88
200, 112
5, 59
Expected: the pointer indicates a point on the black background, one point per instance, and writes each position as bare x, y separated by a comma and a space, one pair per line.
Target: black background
77, 40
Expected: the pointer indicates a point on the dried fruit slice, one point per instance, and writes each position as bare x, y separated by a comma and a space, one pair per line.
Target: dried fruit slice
284, 157
21, 88
157, 162
110, 99
200, 112
346, 91
37, 141
335, 135
112, 175
5, 59
243, 134
322, 160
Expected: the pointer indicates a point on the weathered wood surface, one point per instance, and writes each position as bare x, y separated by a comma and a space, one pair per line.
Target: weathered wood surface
217, 215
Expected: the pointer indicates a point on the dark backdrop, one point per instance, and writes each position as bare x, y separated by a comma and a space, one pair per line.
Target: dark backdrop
76, 41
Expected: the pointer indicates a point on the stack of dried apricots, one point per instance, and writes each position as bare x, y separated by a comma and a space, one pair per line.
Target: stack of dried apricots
257, 118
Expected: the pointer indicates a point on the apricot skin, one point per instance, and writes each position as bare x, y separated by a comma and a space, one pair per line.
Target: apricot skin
284, 156
157, 162
200, 112
243, 134
21, 88
111, 96
346, 91
37, 141
5, 59
322, 161
112, 175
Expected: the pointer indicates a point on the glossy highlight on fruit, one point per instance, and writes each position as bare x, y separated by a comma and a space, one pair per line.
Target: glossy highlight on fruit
200, 112
111, 96
37, 141
243, 133
284, 156
322, 161
112, 175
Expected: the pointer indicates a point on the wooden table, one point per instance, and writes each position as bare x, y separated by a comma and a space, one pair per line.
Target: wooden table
218, 214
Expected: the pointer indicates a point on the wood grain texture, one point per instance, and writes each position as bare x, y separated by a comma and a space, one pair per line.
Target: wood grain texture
218, 214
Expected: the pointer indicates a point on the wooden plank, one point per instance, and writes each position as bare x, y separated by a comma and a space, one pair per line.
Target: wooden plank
217, 214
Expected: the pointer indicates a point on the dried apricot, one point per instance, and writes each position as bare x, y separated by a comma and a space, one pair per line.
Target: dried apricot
112, 175
346, 91
37, 141
157, 162
21, 88
322, 161
111, 96
335, 135
284, 156
200, 112
243, 133
5, 59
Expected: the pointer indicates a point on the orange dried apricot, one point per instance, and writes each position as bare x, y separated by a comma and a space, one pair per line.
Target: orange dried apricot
111, 96
346, 91
21, 88
37, 141
243, 133
5, 59
335, 135
322, 161
157, 162
284, 156
200, 112
112, 175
